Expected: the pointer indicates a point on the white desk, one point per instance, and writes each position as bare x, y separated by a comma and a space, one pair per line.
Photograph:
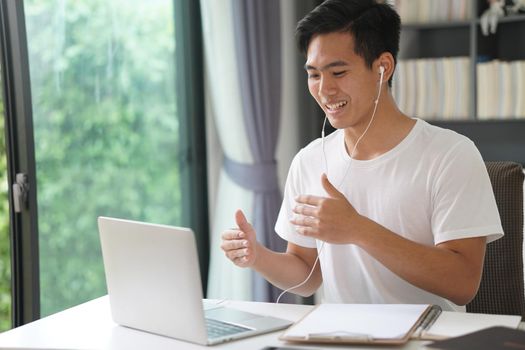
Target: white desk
89, 326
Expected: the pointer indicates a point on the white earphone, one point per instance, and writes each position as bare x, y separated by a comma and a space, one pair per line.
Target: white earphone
376, 101
381, 72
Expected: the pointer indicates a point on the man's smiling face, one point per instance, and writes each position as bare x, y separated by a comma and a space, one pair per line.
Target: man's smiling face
340, 81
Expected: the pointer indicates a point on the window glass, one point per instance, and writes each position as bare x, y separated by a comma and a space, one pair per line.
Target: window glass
5, 258
106, 131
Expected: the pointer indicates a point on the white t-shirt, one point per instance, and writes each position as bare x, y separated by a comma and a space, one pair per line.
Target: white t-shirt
431, 188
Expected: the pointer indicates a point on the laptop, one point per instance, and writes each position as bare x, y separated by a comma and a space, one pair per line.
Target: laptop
154, 285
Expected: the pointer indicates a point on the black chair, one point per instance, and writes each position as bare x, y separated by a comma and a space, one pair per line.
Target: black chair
502, 287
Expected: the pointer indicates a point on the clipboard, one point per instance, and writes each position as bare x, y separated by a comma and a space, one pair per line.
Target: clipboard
388, 324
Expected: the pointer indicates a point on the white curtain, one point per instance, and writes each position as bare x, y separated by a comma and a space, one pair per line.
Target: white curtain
225, 279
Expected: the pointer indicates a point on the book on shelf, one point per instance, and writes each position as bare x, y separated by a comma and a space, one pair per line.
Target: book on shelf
481, 91
518, 70
432, 11
506, 103
433, 88
410, 84
440, 88
500, 90
421, 101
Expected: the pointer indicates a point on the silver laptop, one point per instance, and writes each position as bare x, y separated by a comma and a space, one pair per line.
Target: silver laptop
154, 285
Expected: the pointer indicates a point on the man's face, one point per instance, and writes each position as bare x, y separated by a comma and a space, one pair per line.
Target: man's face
339, 80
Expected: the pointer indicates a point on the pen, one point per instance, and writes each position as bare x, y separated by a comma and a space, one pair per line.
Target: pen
428, 321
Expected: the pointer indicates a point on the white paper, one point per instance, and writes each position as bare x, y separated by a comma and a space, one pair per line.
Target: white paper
372, 321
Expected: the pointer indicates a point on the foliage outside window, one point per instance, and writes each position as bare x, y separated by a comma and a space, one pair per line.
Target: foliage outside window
105, 127
5, 264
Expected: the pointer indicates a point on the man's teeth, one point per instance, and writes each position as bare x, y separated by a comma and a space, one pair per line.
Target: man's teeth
336, 105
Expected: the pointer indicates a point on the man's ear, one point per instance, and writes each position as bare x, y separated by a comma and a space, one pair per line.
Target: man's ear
385, 60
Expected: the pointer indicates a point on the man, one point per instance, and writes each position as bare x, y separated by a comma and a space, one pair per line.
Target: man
400, 211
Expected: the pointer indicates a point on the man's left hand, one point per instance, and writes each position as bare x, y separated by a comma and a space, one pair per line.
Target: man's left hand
332, 219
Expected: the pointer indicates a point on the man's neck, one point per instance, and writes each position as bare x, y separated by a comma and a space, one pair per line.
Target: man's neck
389, 127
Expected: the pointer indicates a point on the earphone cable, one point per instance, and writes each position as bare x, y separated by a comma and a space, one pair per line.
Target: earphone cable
376, 102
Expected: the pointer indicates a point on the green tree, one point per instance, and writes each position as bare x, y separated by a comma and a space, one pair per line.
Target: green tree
5, 262
106, 126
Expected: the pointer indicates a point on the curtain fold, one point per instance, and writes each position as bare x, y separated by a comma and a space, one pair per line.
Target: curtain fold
222, 87
245, 37
257, 25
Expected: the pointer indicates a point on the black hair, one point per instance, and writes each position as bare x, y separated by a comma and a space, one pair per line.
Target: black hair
374, 26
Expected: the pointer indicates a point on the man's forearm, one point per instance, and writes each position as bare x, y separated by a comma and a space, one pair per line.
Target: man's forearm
285, 270
442, 270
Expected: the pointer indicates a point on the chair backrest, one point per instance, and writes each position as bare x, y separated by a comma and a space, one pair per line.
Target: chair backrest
501, 288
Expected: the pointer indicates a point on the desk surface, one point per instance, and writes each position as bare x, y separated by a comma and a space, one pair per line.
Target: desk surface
89, 326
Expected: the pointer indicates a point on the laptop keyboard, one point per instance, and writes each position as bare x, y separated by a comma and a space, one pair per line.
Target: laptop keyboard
217, 329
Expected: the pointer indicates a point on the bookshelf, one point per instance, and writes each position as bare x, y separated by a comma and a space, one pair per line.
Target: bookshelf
496, 126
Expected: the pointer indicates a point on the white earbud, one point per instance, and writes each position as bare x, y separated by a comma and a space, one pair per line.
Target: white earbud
382, 72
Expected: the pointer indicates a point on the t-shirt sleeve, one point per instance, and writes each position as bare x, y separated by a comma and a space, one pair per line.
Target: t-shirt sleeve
292, 188
463, 201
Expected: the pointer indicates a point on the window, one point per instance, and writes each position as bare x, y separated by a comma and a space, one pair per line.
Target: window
112, 135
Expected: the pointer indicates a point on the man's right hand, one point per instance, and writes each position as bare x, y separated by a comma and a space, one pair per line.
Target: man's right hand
240, 245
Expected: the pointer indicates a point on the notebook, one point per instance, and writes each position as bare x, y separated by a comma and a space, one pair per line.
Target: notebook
388, 324
154, 285
361, 323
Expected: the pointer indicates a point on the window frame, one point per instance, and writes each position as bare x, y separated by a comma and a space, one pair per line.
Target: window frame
190, 101
20, 155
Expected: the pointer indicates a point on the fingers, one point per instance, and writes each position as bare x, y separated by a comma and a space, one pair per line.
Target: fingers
329, 188
242, 262
306, 210
237, 253
307, 231
309, 199
305, 221
232, 244
240, 253
308, 216
306, 226
237, 247
233, 234
241, 221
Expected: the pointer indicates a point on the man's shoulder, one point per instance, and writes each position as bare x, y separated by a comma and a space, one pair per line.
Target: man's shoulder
441, 138
439, 148
440, 132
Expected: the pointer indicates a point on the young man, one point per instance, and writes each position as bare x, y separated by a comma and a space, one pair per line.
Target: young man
399, 211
